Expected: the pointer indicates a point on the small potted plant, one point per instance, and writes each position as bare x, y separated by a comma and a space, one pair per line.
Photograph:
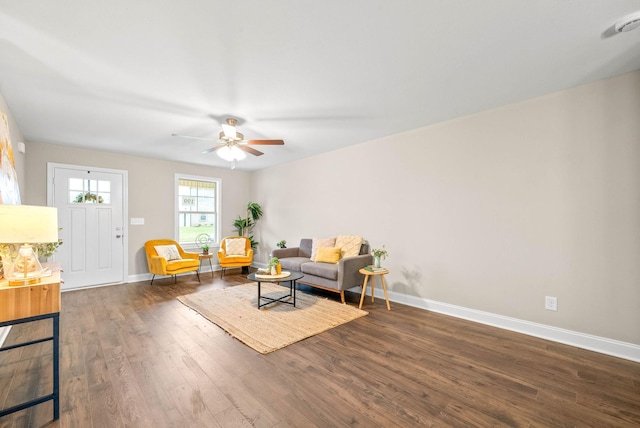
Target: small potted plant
282, 244
274, 266
46, 250
378, 253
205, 249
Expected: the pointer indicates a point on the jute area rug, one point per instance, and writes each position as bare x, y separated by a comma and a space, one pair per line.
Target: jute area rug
274, 326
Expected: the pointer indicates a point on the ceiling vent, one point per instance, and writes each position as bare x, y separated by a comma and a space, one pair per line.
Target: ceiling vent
628, 23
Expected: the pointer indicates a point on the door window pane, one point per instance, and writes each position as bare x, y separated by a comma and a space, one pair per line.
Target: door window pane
85, 191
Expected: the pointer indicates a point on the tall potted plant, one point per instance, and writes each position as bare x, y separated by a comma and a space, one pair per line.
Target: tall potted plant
244, 225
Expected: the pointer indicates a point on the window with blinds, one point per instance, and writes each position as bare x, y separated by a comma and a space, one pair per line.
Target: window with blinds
198, 208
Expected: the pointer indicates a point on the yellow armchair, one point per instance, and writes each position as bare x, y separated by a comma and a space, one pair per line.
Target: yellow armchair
238, 256
170, 262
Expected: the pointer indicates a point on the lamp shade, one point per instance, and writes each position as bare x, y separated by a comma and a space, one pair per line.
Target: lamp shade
20, 224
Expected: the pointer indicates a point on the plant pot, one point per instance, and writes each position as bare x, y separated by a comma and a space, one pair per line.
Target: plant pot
376, 262
275, 270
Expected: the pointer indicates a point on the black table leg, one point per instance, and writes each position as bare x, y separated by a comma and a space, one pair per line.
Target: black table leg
55, 338
294, 292
56, 367
259, 294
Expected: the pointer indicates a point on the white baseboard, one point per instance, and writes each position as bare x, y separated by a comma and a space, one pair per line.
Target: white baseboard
603, 345
139, 277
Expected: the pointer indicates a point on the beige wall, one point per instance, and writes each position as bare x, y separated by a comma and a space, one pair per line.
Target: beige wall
151, 190
492, 211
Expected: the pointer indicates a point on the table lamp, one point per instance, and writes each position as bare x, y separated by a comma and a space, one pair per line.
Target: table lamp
26, 225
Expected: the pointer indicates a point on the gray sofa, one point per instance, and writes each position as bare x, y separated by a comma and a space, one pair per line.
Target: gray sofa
328, 276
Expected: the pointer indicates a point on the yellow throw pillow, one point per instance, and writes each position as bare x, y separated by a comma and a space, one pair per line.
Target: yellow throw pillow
328, 255
318, 243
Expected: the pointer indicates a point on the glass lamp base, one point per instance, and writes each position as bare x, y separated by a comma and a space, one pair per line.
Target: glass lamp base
25, 269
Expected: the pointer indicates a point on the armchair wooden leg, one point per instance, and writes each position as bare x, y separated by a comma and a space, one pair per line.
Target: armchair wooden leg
221, 273
342, 296
154, 275
198, 273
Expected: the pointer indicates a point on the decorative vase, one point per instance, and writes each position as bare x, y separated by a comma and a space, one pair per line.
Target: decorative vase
278, 269
376, 261
273, 270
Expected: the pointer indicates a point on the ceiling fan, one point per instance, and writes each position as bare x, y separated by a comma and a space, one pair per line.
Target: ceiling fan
232, 145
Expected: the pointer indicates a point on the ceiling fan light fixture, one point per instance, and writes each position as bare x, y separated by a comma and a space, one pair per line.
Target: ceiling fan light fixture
229, 131
232, 146
231, 154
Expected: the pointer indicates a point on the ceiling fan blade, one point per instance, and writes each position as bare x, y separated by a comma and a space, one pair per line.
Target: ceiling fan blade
213, 149
195, 138
250, 150
265, 142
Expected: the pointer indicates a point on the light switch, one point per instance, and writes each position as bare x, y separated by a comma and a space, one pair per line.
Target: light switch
137, 221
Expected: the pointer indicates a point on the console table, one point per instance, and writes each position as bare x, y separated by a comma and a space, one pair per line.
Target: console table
27, 303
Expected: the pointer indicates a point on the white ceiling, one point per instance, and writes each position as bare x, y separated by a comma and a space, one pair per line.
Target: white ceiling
124, 75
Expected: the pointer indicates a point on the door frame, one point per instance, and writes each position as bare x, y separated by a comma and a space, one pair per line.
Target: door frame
51, 166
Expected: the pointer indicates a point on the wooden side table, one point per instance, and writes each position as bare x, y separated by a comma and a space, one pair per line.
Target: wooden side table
27, 303
206, 257
367, 274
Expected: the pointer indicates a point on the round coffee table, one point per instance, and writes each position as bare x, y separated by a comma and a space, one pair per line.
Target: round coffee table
291, 278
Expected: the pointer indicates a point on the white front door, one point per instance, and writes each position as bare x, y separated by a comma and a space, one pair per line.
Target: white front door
90, 204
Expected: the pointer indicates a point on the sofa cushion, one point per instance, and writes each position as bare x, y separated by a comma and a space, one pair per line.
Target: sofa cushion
321, 242
323, 270
305, 247
328, 255
349, 244
293, 263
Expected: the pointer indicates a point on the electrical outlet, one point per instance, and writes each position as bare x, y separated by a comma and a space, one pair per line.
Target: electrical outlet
551, 303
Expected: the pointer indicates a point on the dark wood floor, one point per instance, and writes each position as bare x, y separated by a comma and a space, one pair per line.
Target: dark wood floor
133, 356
